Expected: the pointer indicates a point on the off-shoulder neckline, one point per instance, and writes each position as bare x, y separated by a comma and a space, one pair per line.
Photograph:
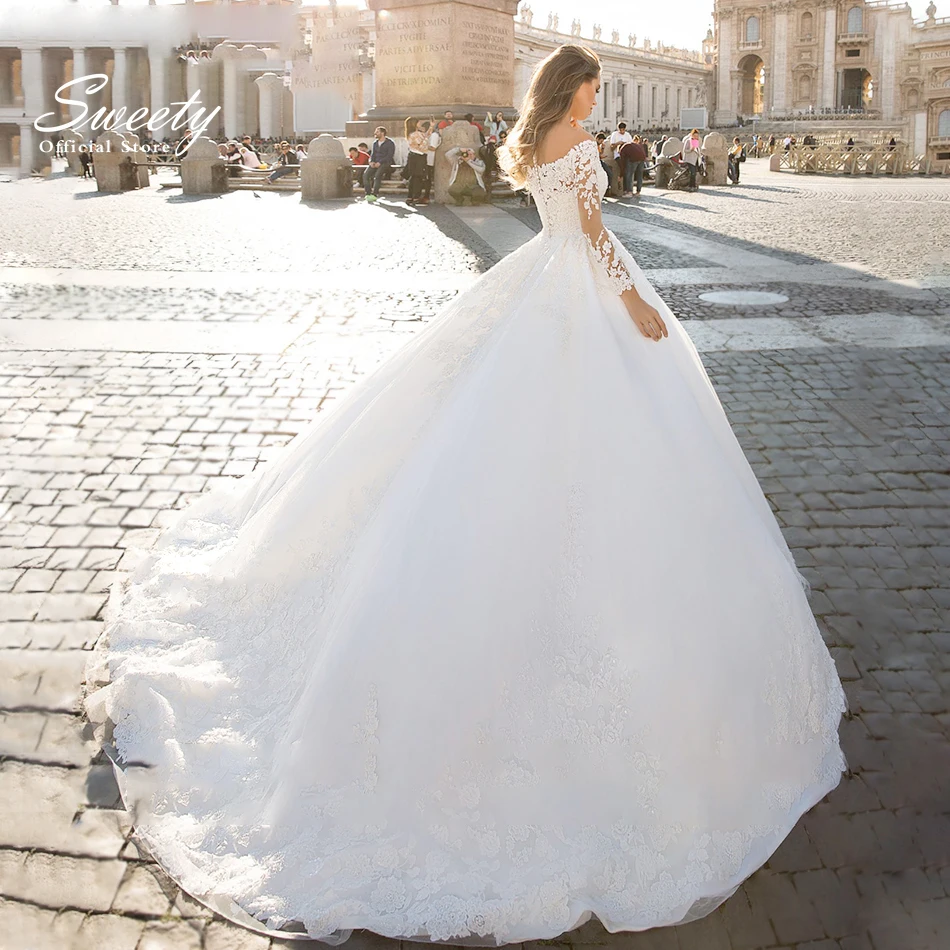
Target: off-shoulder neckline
570, 151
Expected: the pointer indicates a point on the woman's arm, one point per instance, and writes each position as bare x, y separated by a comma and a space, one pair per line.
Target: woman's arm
588, 205
602, 244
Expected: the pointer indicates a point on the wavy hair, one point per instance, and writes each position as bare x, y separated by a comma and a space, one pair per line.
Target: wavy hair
549, 96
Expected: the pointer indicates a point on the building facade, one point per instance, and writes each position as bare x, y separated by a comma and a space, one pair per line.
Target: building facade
234, 56
643, 83
862, 59
239, 57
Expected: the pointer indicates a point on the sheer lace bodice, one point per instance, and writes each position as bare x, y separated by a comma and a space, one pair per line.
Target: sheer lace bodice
568, 192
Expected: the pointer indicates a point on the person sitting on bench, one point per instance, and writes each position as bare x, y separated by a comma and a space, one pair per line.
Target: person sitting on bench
286, 163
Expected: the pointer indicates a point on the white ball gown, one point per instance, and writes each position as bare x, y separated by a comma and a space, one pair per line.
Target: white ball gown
508, 638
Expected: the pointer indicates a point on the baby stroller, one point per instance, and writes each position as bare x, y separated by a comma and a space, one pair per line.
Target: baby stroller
679, 179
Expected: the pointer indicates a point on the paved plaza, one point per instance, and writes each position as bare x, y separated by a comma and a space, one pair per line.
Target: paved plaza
152, 345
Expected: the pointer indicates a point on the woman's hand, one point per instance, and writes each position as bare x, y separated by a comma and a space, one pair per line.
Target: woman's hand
646, 317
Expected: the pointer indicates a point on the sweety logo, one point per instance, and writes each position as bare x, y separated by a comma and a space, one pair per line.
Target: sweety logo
116, 120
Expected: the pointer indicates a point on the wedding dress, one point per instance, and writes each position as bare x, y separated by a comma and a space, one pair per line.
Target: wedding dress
508, 638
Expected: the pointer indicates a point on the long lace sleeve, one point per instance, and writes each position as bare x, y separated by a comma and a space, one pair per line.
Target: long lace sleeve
588, 207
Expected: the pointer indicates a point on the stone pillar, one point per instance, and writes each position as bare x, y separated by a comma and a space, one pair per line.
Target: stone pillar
270, 88
829, 46
203, 170
208, 78
6, 148
158, 80
725, 106
120, 79
438, 54
779, 95
919, 127
31, 66
716, 151
114, 166
79, 69
192, 86
6, 78
232, 76
326, 172
26, 149
885, 88
234, 62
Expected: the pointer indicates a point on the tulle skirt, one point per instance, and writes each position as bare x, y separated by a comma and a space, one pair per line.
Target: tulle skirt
507, 638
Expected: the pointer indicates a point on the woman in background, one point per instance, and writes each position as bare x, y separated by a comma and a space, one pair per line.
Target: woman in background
416, 134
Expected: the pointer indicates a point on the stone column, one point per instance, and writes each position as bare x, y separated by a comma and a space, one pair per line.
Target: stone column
6, 148
270, 87
779, 95
725, 106
120, 79
158, 80
31, 73
192, 86
26, 149
231, 99
919, 128
79, 69
885, 88
829, 46
6, 78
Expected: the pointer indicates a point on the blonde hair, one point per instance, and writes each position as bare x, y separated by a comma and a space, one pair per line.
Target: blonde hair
549, 96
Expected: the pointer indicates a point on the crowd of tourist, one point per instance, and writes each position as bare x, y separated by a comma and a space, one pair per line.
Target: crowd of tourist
629, 158
474, 169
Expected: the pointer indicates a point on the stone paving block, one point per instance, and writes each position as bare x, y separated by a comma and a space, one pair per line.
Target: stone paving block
36, 580
73, 581
221, 935
100, 559
108, 932
63, 635
185, 906
20, 732
25, 927
63, 559
15, 607
710, 933
835, 899
65, 741
146, 891
172, 935
70, 606
793, 920
747, 923
892, 928
14, 635
44, 808
795, 853
56, 881
42, 679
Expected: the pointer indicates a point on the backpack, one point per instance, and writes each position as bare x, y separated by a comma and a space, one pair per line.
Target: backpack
742, 154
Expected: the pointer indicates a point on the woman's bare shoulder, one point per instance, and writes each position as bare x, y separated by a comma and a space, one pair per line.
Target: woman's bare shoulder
559, 142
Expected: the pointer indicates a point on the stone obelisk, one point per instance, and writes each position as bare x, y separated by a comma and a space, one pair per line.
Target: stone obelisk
441, 55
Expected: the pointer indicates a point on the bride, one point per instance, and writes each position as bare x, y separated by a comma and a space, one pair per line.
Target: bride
508, 639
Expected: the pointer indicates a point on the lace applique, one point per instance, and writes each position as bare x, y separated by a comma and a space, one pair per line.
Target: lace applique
568, 192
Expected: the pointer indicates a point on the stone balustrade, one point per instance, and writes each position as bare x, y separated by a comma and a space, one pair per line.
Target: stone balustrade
860, 159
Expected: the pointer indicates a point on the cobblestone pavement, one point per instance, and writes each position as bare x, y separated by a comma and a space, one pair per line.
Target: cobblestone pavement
851, 444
